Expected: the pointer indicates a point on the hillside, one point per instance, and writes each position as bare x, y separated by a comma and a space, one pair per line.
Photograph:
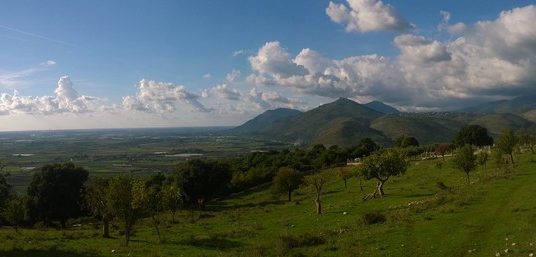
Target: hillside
516, 105
530, 115
482, 219
264, 120
426, 130
342, 122
381, 107
497, 122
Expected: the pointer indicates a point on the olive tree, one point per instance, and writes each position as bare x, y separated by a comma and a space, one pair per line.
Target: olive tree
15, 211
465, 160
286, 180
345, 174
317, 181
382, 166
96, 202
507, 142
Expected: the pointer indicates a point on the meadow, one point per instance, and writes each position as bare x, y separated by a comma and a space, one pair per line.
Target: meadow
493, 216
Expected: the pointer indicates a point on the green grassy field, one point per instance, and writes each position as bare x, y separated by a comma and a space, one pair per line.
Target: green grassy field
495, 214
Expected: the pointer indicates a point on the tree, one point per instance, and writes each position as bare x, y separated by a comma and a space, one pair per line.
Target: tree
473, 135
443, 149
201, 180
56, 192
506, 143
15, 211
482, 159
286, 180
365, 147
465, 160
381, 166
172, 199
96, 202
345, 174
147, 199
5, 189
120, 201
405, 141
317, 181
527, 139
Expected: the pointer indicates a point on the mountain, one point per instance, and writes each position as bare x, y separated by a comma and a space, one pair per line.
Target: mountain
381, 107
497, 122
264, 120
530, 115
342, 122
425, 129
516, 105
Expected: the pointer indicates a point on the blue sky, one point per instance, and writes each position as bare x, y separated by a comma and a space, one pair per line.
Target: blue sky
187, 48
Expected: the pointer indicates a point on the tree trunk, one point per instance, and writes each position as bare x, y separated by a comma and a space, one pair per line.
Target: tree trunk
468, 181
380, 188
345, 187
512, 158
289, 195
173, 217
318, 206
155, 223
127, 235
105, 228
201, 203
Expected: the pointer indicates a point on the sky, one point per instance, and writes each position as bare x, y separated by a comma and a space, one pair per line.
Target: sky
163, 63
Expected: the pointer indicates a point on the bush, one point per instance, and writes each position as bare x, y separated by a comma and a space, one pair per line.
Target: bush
373, 218
290, 242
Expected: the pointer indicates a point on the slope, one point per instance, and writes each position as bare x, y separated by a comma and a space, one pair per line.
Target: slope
264, 120
425, 129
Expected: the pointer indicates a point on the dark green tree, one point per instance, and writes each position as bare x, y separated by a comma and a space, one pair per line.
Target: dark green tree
15, 211
365, 148
286, 181
55, 192
201, 180
405, 141
465, 160
475, 135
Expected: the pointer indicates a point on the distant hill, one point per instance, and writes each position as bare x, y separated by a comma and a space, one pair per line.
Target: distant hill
530, 115
264, 120
497, 122
381, 107
345, 122
516, 105
425, 129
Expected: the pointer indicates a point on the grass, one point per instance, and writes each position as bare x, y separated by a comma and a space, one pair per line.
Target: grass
487, 217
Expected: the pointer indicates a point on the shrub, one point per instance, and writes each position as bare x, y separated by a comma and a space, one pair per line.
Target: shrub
373, 218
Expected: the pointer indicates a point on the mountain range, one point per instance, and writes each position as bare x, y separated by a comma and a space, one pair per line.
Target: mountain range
345, 122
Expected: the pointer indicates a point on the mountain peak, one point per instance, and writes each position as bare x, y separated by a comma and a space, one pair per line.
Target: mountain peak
381, 107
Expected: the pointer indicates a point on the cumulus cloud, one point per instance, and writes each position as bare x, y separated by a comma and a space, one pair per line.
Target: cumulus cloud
233, 75
161, 97
366, 16
487, 60
273, 59
65, 100
454, 29
271, 99
222, 91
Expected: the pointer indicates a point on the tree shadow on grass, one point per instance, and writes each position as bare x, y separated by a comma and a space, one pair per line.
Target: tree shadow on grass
214, 243
44, 253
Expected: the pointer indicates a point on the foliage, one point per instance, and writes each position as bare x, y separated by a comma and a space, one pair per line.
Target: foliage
365, 148
286, 181
123, 203
172, 199
15, 210
96, 202
473, 135
202, 180
55, 192
528, 139
465, 160
507, 142
5, 190
381, 166
482, 158
345, 174
405, 141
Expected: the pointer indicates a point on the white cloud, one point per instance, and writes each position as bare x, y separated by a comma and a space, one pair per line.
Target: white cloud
489, 59
161, 97
366, 16
207, 76
65, 100
273, 59
15, 78
238, 52
454, 29
233, 75
222, 91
